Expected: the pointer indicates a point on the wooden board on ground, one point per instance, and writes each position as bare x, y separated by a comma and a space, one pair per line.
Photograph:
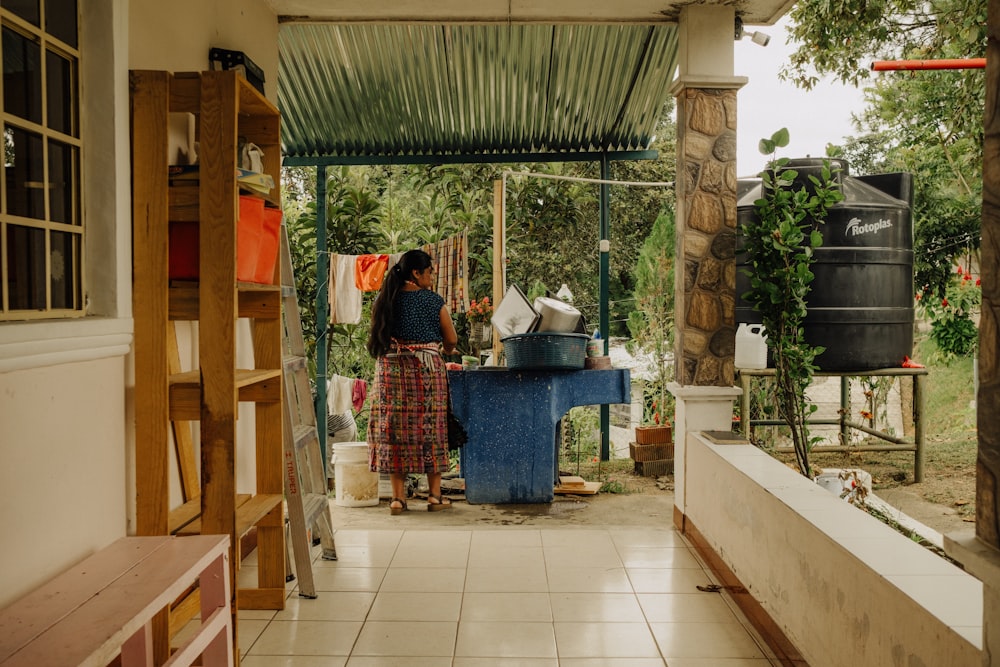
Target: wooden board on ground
576, 486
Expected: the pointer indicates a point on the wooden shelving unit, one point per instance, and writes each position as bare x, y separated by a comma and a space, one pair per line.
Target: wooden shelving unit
227, 109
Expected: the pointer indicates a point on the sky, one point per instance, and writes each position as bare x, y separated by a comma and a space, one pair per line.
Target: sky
766, 104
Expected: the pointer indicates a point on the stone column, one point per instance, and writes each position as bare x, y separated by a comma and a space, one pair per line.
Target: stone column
705, 263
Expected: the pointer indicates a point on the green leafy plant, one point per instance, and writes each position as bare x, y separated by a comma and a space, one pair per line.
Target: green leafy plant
581, 437
614, 486
651, 324
779, 243
953, 329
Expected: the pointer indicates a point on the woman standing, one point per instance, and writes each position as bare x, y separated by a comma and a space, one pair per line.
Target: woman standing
408, 427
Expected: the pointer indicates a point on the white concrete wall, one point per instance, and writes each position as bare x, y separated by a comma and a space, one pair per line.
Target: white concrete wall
176, 36
62, 468
844, 587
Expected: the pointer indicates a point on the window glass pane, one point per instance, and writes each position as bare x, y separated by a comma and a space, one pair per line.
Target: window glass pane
26, 9
25, 175
61, 96
60, 20
22, 76
26, 267
62, 182
63, 262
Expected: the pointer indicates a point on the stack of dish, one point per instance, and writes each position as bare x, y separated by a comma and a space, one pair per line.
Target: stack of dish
542, 336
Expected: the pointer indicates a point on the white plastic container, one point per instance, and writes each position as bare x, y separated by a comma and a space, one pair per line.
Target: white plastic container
751, 346
384, 486
356, 485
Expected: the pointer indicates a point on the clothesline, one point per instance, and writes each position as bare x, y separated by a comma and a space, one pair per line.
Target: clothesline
351, 275
580, 179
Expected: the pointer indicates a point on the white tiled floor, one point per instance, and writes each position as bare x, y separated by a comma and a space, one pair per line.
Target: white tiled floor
524, 597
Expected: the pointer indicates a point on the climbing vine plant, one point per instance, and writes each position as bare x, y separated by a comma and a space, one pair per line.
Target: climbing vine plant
779, 243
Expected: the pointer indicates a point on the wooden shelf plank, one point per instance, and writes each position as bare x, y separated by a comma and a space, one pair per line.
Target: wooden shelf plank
261, 598
184, 515
149, 279
181, 517
254, 300
250, 510
252, 386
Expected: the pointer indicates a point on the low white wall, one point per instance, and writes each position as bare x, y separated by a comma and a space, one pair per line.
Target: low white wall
843, 587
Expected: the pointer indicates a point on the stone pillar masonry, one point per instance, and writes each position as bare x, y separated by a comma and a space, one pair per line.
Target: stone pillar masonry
705, 293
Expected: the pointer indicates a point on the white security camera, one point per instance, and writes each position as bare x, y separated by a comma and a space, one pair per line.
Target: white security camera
757, 37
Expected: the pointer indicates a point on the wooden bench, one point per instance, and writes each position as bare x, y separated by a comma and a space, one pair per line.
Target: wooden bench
103, 607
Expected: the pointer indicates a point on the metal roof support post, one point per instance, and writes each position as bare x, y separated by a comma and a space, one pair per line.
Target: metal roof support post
605, 234
322, 309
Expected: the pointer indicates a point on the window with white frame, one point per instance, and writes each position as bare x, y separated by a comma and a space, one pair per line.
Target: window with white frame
41, 225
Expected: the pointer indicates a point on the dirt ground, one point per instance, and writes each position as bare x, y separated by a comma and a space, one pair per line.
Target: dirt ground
648, 501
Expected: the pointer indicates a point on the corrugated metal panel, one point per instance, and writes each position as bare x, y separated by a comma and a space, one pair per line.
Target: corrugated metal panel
419, 89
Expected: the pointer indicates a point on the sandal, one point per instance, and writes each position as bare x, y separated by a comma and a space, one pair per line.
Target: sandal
397, 510
439, 505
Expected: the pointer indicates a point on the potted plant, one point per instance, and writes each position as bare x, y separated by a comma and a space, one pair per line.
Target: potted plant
478, 316
779, 243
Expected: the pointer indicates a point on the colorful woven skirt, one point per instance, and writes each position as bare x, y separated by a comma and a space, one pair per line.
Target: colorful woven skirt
408, 426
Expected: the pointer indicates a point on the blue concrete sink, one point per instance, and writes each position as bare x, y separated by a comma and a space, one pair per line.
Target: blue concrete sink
511, 418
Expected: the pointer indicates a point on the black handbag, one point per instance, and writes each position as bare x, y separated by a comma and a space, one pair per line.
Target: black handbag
457, 436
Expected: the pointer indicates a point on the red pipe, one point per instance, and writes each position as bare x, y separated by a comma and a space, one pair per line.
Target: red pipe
957, 63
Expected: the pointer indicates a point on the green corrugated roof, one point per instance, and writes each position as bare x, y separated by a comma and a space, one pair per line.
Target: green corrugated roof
393, 90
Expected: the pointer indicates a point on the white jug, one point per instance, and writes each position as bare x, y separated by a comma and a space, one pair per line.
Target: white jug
751, 346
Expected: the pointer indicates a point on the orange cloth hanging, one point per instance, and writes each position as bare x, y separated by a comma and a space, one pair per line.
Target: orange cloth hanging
369, 271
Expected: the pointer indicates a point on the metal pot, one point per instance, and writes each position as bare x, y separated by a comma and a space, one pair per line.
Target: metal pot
556, 315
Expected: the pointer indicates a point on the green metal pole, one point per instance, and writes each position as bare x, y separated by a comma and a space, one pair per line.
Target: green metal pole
322, 309
605, 249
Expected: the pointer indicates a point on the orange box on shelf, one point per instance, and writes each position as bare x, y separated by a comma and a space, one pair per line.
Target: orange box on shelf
267, 256
184, 243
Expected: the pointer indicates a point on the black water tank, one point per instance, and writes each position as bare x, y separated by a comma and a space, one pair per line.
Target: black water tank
860, 307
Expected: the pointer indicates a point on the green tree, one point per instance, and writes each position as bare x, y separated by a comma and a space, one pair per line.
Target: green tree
779, 243
652, 322
928, 123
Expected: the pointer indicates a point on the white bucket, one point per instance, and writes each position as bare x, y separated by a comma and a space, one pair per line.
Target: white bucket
751, 346
356, 484
384, 486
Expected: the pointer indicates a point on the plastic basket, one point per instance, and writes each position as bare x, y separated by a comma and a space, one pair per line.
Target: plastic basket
546, 351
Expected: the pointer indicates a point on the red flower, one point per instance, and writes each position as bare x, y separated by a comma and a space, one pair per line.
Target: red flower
944, 302
978, 282
961, 270
918, 296
966, 277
